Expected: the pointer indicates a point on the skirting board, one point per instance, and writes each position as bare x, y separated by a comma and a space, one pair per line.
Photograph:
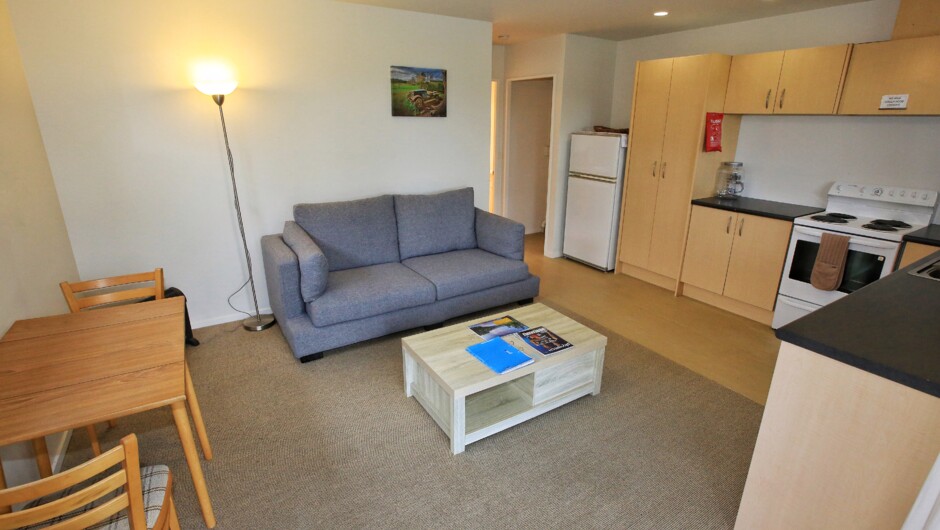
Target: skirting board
224, 319
647, 276
722, 302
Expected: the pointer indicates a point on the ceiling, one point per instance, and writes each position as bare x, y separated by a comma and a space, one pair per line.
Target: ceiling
524, 20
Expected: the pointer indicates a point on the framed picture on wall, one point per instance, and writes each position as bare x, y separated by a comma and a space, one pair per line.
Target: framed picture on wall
419, 92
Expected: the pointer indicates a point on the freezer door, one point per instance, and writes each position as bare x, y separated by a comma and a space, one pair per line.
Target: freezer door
590, 221
596, 155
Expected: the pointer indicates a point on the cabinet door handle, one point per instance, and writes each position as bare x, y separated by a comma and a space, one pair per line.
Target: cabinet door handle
741, 228
783, 94
767, 99
654, 169
728, 228
664, 170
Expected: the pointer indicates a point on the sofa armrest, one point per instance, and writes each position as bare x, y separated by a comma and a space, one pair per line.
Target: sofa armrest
314, 268
282, 275
499, 235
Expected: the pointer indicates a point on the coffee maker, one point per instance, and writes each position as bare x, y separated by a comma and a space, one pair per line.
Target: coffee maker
730, 180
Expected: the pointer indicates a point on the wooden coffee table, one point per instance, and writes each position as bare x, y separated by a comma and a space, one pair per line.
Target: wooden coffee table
470, 402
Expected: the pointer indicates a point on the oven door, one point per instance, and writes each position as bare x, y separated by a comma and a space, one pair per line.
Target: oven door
868, 260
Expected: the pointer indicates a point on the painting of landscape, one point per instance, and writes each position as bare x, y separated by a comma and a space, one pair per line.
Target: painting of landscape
419, 92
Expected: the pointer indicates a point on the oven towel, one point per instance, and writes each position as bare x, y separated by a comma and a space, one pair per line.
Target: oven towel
830, 262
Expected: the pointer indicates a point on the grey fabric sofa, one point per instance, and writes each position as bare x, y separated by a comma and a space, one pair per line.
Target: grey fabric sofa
343, 272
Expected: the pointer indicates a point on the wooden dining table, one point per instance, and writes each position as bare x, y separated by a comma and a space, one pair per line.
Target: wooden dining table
67, 371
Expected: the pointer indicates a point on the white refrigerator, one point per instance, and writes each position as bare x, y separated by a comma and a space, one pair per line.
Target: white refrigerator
595, 186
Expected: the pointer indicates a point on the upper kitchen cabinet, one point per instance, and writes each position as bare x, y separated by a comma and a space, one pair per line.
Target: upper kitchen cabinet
802, 81
666, 165
908, 67
752, 84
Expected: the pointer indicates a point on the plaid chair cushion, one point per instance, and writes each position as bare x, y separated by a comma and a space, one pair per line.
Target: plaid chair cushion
153, 480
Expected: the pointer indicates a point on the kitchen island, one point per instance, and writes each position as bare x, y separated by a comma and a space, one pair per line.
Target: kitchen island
852, 422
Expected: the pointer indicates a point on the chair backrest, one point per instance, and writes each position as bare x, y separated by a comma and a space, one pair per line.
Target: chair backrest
115, 289
124, 484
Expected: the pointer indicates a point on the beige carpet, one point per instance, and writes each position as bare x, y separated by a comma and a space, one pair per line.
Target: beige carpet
335, 444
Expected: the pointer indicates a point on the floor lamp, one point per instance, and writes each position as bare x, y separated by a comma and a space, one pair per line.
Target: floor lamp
218, 90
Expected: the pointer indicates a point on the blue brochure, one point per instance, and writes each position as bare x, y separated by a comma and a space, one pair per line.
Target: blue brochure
499, 355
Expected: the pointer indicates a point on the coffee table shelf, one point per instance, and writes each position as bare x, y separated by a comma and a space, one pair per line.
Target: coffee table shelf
497, 404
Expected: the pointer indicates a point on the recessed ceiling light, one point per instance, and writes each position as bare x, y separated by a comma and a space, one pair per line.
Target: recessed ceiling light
660, 13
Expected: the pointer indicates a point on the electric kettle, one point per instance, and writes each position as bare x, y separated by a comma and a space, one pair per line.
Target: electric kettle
730, 180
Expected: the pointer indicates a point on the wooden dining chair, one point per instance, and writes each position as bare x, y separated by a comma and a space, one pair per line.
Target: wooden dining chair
96, 494
104, 292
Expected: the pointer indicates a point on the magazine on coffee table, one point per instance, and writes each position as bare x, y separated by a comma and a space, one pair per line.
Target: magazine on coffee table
544, 341
498, 327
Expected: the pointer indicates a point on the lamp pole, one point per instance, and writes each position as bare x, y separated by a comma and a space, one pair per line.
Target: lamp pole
258, 322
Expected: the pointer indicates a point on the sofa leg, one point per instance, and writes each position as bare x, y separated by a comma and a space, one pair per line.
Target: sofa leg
311, 357
527, 301
432, 327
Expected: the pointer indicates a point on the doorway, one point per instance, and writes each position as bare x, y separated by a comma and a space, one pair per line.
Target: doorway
528, 153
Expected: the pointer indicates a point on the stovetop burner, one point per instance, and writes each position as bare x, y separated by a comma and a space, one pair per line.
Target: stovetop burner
890, 222
840, 215
827, 218
880, 227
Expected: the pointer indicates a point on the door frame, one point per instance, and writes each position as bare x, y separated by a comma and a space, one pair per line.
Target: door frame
501, 203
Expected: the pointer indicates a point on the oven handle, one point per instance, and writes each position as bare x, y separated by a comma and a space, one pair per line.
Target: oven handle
865, 242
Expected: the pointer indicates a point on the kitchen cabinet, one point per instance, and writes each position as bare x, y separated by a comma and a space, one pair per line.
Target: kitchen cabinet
666, 166
914, 252
802, 81
898, 67
736, 255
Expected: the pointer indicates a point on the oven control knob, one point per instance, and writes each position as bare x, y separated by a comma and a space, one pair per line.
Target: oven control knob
877, 192
903, 192
891, 193
924, 197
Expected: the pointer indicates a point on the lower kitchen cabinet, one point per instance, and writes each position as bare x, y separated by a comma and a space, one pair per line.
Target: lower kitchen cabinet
914, 252
735, 255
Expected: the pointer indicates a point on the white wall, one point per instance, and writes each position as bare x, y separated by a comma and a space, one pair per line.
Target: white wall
796, 158
497, 130
137, 153
34, 245
582, 68
529, 150
585, 102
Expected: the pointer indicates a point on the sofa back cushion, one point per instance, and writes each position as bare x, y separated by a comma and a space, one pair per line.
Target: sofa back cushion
432, 224
352, 233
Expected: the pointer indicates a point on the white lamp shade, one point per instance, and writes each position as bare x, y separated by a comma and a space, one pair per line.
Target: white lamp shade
214, 87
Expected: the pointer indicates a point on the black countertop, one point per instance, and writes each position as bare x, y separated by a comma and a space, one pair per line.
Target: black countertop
890, 328
774, 210
928, 235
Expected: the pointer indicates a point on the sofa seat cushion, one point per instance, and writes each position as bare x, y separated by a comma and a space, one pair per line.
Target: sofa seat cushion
364, 292
466, 271
432, 224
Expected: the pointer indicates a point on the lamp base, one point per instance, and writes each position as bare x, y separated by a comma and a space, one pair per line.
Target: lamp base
258, 324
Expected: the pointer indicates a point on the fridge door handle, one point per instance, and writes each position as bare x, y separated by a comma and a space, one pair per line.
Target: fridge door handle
585, 176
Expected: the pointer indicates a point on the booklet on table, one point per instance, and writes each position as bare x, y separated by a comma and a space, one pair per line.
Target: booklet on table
499, 355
